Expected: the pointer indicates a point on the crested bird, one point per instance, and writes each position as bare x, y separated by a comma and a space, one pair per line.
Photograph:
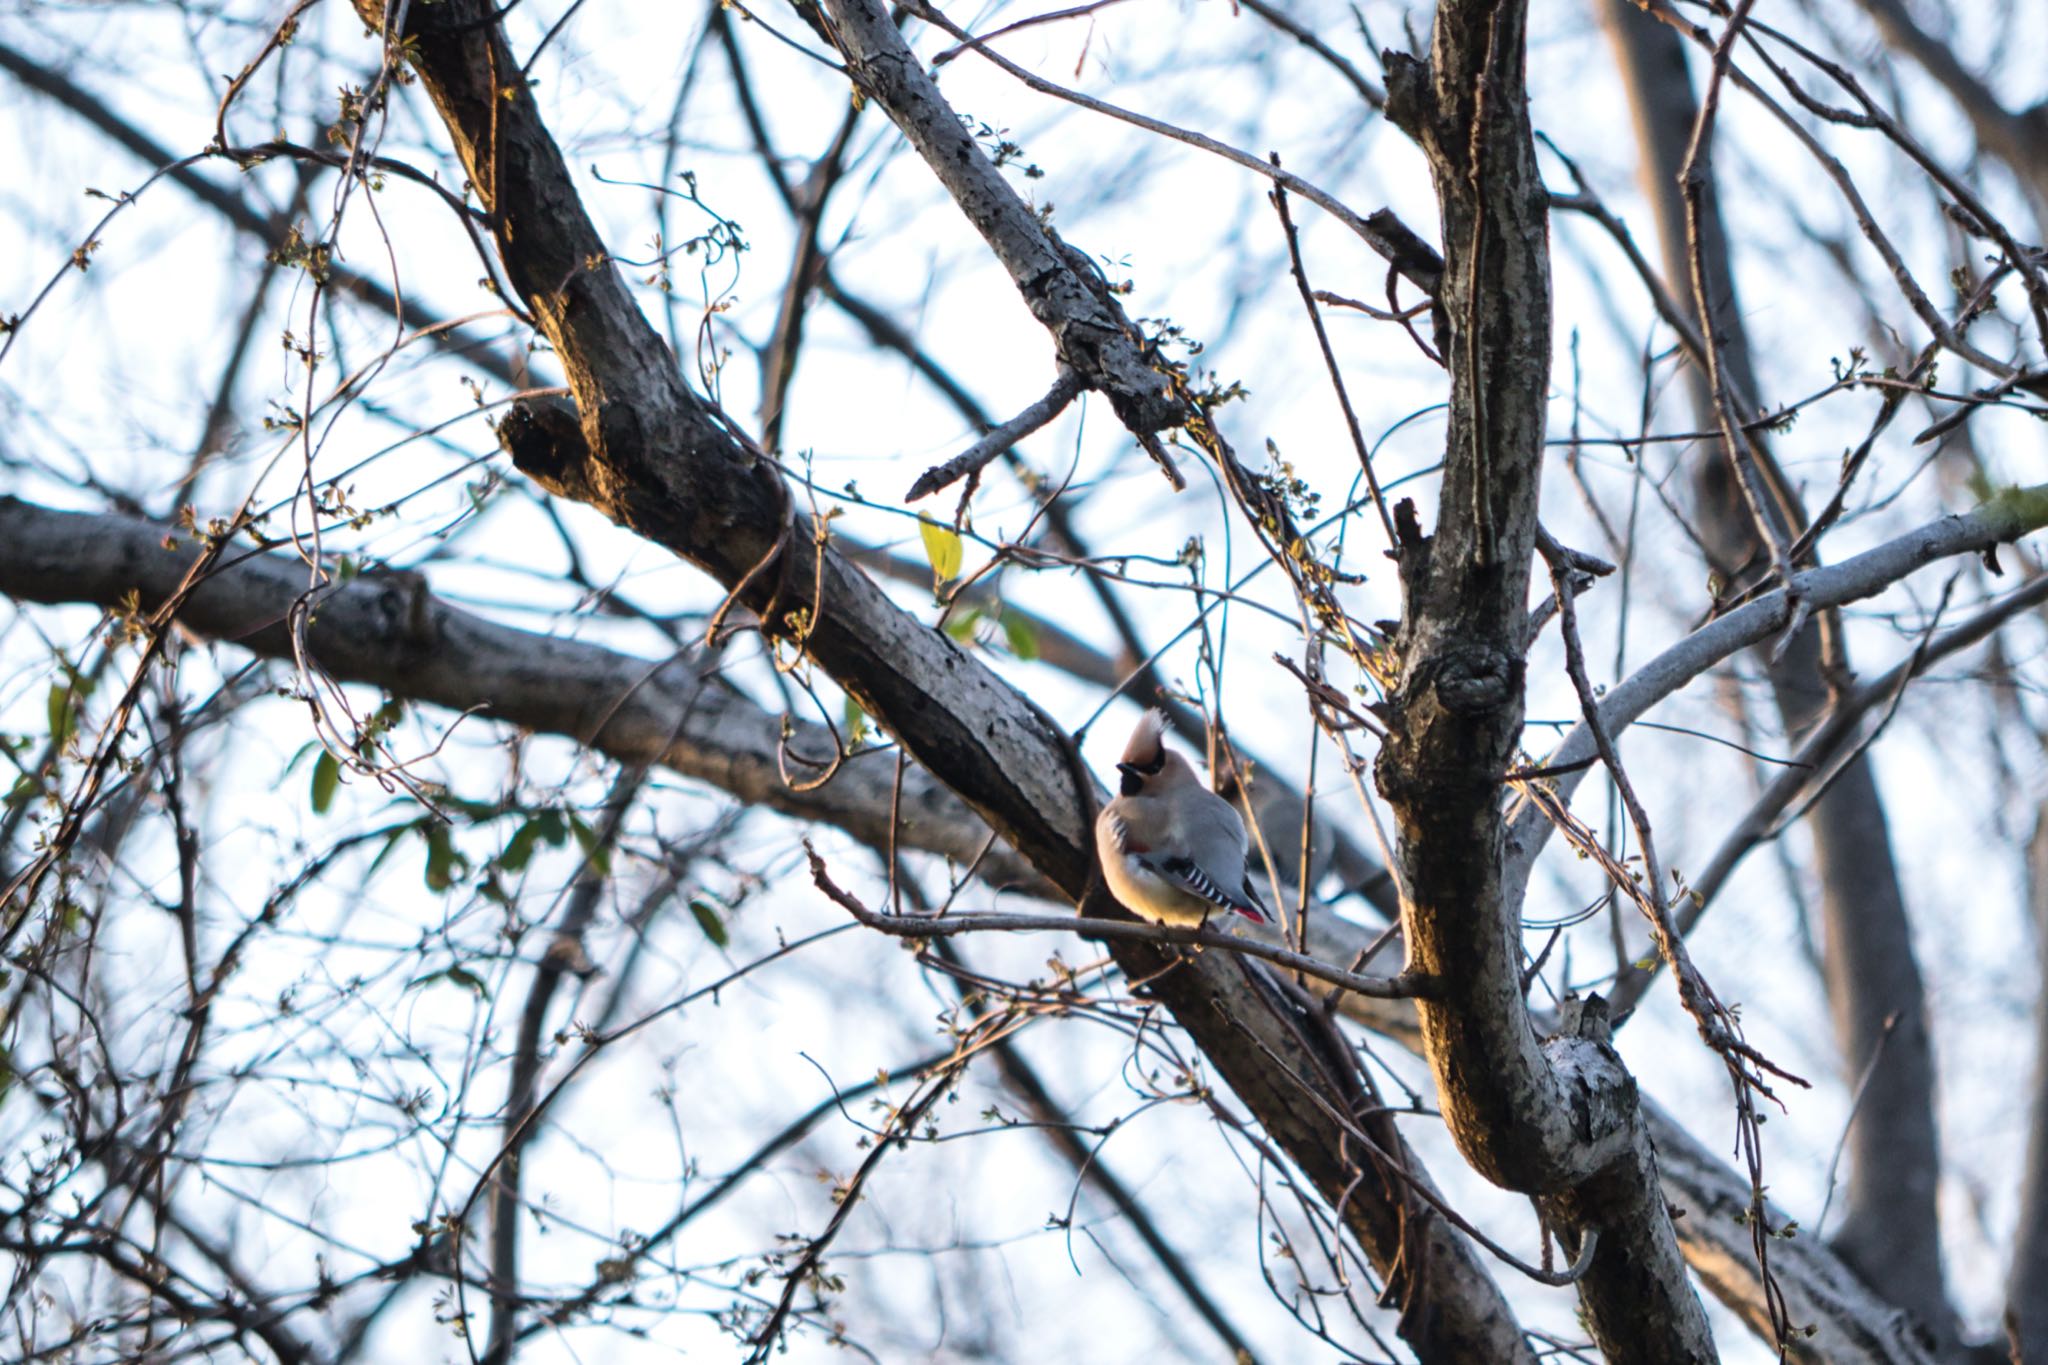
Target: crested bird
1172, 850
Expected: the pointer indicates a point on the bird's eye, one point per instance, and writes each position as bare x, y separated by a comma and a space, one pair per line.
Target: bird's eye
1132, 784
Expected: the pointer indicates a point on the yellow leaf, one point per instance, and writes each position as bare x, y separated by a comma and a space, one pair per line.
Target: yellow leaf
941, 547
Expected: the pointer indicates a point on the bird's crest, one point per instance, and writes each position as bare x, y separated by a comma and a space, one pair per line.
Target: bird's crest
1147, 750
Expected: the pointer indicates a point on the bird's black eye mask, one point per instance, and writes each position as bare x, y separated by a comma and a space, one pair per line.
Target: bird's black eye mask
1134, 774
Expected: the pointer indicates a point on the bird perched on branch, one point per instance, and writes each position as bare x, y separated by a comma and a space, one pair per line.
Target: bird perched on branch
1172, 850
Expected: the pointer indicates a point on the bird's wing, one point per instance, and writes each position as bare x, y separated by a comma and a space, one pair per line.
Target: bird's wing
1214, 824
1119, 835
1251, 894
1183, 873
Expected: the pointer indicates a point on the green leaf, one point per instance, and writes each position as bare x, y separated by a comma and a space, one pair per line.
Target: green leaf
519, 848
454, 976
63, 720
856, 721
326, 779
708, 921
942, 547
477, 811
445, 866
547, 827
960, 625
1022, 635
600, 857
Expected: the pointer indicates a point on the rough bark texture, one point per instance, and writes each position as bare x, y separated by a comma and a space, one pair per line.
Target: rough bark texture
1457, 713
1063, 289
654, 458
386, 631
1891, 1229
1559, 1122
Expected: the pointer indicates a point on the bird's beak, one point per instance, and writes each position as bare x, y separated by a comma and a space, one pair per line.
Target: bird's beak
1129, 770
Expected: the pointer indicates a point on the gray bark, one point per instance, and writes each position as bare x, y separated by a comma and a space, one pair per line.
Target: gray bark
366, 632
1559, 1120
1061, 287
388, 631
653, 457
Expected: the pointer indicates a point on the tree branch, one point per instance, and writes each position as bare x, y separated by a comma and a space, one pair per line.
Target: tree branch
2026, 1284
1559, 1119
1851, 1324
2019, 140
240, 215
1063, 289
59, 557
977, 456
1402, 987
386, 630
1871, 973
657, 459
2006, 517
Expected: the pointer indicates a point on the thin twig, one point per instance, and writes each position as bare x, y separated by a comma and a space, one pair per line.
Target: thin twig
1372, 229
1065, 388
1315, 317
1821, 758
1404, 986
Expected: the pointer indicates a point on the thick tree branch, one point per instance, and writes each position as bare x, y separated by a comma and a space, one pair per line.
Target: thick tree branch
386, 630
549, 684
655, 458
1558, 1120
2026, 1283
1410, 256
632, 709
1063, 289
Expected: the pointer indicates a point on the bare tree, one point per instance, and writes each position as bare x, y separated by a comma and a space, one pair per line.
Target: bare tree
437, 920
